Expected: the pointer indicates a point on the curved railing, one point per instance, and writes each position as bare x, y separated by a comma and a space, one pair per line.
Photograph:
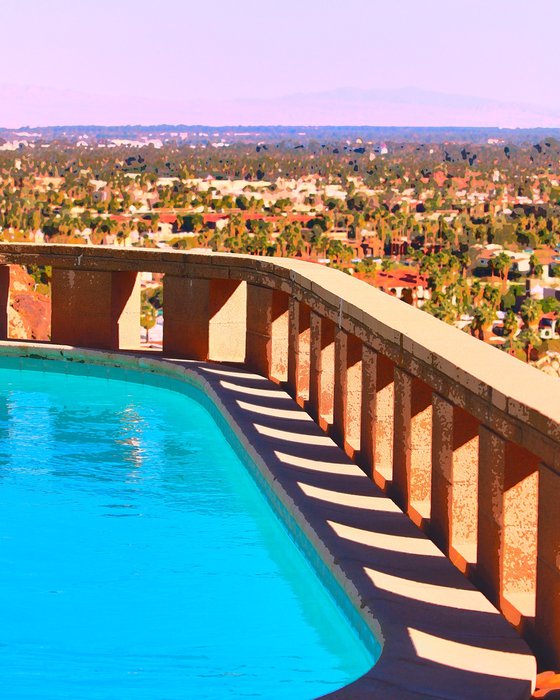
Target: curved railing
462, 436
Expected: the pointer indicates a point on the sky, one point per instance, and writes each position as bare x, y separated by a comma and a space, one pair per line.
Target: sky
180, 50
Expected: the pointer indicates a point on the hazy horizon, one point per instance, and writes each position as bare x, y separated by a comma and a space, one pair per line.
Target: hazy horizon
467, 63
407, 107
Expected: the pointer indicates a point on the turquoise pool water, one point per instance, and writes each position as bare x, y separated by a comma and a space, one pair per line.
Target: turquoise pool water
138, 559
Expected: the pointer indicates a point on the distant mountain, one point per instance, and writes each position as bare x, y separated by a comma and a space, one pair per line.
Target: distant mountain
399, 107
37, 106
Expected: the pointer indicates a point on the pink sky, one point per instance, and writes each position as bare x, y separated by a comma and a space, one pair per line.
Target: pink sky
181, 52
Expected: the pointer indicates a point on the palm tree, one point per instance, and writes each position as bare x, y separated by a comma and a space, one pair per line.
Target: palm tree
482, 319
511, 324
462, 294
536, 269
502, 263
492, 295
442, 307
530, 340
476, 291
530, 312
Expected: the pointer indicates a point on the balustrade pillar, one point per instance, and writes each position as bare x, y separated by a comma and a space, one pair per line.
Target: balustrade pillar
454, 505
376, 423
547, 622
298, 349
4, 300
227, 324
347, 390
267, 332
507, 524
204, 318
186, 317
412, 447
96, 309
321, 380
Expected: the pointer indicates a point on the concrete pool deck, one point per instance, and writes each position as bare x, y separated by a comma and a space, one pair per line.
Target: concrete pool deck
440, 636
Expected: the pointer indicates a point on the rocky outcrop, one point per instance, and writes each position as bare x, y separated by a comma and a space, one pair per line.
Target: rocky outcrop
29, 312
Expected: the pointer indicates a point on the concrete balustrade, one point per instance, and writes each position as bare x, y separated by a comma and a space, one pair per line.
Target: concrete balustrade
321, 369
4, 300
377, 416
347, 391
507, 524
299, 347
547, 625
464, 438
267, 332
412, 443
454, 492
99, 309
205, 318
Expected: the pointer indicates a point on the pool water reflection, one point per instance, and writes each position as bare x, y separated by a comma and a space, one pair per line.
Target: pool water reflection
138, 559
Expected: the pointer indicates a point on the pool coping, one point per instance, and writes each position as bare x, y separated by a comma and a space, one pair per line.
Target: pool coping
440, 636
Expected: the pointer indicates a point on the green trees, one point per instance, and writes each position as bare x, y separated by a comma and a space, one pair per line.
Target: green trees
290, 241
530, 339
530, 312
502, 264
441, 306
483, 316
192, 223
151, 301
387, 264
536, 269
492, 296
550, 304
148, 318
155, 222
510, 324
319, 242
339, 251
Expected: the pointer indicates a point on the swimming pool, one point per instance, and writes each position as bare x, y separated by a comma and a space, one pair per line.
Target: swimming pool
140, 560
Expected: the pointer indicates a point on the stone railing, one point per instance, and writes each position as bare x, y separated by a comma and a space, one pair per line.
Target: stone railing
463, 437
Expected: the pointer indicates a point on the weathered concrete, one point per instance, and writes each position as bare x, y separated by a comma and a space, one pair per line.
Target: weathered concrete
412, 445
298, 349
321, 369
507, 525
4, 300
548, 566
205, 319
454, 496
267, 332
96, 309
347, 391
440, 637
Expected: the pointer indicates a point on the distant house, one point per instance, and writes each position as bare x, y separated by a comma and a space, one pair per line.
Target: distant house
520, 262
408, 285
368, 245
549, 259
102, 195
547, 326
